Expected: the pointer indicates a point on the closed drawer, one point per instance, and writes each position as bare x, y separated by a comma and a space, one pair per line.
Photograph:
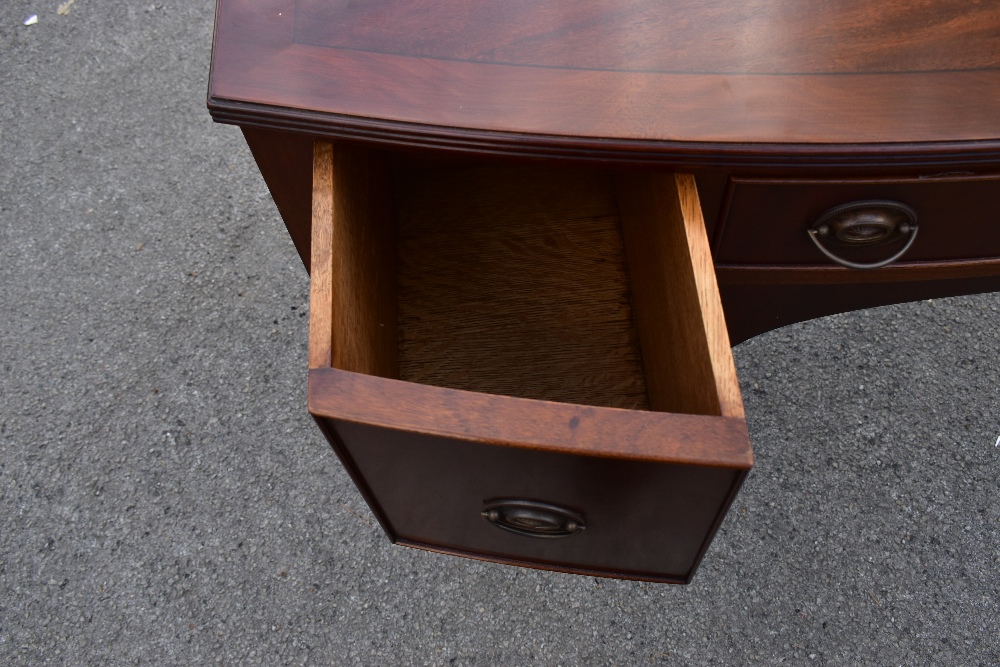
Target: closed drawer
524, 364
765, 221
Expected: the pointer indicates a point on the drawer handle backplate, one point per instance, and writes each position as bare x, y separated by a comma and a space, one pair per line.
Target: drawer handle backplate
532, 518
865, 224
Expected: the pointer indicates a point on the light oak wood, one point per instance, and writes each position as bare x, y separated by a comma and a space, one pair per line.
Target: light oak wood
364, 333
512, 280
352, 200
321, 267
720, 351
686, 353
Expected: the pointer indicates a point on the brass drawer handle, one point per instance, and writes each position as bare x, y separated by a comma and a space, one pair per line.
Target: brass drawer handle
863, 224
532, 518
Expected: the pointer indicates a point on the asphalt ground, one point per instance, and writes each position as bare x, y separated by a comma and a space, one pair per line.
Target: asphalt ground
165, 498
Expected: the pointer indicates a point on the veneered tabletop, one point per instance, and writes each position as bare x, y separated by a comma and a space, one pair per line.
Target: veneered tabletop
712, 80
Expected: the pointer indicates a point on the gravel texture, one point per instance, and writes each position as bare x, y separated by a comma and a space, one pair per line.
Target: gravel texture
165, 498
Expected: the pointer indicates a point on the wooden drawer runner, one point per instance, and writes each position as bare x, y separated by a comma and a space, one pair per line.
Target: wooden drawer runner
524, 364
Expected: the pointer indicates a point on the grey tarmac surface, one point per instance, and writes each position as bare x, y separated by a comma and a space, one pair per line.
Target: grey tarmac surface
165, 499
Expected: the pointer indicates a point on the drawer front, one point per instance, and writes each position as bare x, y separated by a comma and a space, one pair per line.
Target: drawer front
648, 512
640, 519
765, 221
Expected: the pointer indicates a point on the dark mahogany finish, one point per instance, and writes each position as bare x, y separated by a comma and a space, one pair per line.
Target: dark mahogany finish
653, 36
764, 219
767, 81
766, 90
761, 300
781, 109
652, 487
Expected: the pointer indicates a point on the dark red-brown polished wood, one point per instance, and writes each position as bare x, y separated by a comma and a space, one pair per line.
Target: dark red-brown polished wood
764, 219
649, 81
710, 36
784, 108
653, 487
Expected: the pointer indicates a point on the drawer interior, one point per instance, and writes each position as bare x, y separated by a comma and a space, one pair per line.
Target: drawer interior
536, 281
549, 298
512, 280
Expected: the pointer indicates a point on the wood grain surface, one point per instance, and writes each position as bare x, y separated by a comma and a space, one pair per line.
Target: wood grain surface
321, 261
644, 519
708, 80
761, 300
764, 220
754, 36
352, 297
688, 360
286, 162
531, 424
720, 353
512, 280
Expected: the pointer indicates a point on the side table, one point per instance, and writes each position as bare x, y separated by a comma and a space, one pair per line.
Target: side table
534, 230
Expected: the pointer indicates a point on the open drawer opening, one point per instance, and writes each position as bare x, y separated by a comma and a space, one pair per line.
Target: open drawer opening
535, 281
568, 396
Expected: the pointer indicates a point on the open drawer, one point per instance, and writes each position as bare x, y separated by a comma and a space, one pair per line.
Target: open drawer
524, 363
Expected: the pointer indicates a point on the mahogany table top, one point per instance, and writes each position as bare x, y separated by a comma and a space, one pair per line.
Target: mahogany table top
704, 81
